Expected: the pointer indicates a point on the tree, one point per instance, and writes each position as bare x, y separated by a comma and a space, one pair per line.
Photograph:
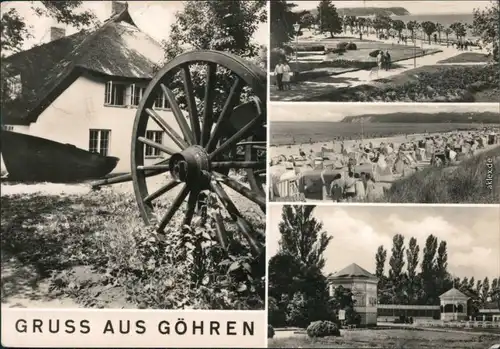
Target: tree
381, 22
447, 32
472, 282
439, 29
328, 18
429, 28
380, 259
307, 19
282, 20
485, 24
302, 235
15, 30
397, 263
343, 299
224, 25
398, 25
427, 273
441, 269
485, 291
412, 263
479, 286
459, 30
350, 21
412, 26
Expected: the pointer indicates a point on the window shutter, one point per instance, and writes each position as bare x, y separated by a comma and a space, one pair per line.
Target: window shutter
108, 92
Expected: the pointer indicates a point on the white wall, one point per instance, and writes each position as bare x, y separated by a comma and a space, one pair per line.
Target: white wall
80, 108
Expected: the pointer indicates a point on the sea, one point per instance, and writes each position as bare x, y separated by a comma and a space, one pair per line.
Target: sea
285, 132
445, 19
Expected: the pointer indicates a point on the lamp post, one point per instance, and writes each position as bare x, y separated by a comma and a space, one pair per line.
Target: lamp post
296, 28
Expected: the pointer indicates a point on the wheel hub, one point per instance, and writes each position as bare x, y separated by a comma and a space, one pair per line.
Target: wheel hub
191, 166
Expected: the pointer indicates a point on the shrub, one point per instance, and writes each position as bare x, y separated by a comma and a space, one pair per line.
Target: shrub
322, 329
335, 50
270, 331
351, 46
342, 45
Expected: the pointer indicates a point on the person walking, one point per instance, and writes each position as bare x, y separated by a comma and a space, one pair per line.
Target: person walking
279, 70
286, 76
387, 60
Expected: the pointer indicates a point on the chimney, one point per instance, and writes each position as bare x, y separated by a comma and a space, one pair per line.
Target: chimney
57, 33
117, 7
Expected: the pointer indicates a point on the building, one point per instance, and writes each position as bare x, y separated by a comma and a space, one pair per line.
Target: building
83, 89
454, 305
363, 285
490, 312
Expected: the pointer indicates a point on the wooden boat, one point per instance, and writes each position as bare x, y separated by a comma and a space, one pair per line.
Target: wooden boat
34, 159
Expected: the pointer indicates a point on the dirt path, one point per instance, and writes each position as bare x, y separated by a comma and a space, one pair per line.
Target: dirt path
326, 84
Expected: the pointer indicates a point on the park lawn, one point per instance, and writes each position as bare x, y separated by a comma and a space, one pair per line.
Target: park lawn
467, 57
431, 83
390, 339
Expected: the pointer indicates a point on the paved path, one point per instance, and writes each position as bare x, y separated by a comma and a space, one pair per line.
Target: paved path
326, 84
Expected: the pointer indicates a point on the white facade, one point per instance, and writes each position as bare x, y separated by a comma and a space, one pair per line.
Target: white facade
82, 108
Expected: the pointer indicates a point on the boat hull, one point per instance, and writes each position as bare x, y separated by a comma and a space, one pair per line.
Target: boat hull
35, 159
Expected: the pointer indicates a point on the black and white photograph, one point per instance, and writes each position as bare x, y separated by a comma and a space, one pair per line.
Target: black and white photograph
134, 154
384, 51
385, 153
383, 277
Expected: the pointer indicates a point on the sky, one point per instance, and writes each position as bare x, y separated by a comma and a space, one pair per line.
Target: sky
414, 7
337, 111
152, 17
472, 235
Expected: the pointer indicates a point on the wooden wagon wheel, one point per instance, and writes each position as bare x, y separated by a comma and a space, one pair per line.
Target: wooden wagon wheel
208, 144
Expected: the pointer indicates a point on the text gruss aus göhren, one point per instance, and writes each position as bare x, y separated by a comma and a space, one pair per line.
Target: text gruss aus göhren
180, 327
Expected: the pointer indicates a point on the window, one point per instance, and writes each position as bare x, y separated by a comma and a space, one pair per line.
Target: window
161, 101
99, 141
157, 137
136, 93
114, 93
14, 86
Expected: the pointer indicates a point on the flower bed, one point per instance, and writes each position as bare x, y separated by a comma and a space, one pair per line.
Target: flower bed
426, 84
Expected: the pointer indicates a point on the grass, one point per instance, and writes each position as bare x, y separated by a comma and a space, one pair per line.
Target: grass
467, 57
465, 183
390, 339
433, 83
94, 248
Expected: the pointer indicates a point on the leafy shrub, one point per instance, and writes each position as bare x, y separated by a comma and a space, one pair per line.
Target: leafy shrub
351, 46
338, 50
342, 45
319, 329
270, 331
309, 48
374, 53
297, 312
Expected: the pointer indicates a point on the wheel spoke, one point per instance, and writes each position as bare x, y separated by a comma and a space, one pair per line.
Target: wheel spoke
191, 103
208, 103
158, 146
179, 116
245, 228
191, 206
242, 190
254, 143
236, 137
153, 167
220, 231
167, 187
238, 164
173, 208
232, 99
167, 129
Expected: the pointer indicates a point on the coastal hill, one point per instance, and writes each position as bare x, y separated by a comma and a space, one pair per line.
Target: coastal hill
443, 117
368, 11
